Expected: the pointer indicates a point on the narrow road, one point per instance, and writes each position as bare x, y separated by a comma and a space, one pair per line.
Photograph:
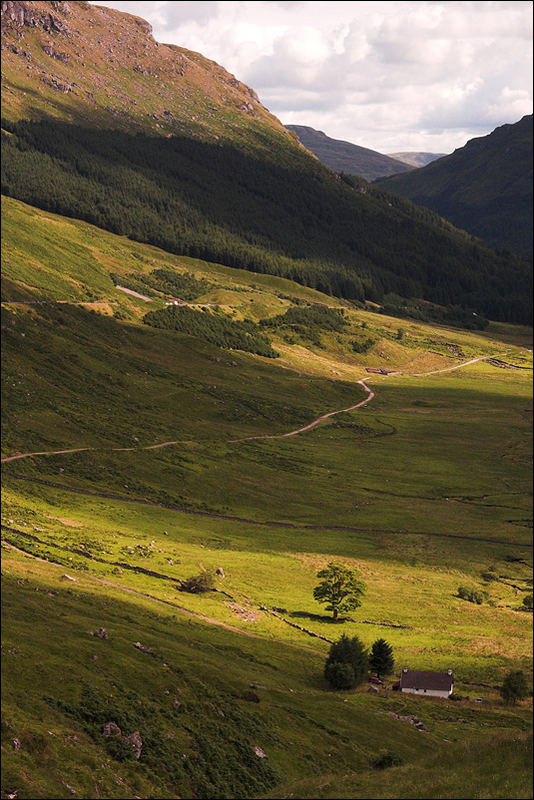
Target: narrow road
315, 421
44, 453
449, 369
305, 428
134, 294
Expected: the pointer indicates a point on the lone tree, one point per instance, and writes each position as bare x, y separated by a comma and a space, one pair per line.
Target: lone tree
340, 588
514, 687
381, 658
347, 663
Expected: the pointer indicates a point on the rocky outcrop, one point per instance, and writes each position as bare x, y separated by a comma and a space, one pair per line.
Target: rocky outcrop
111, 729
49, 50
100, 633
30, 15
135, 741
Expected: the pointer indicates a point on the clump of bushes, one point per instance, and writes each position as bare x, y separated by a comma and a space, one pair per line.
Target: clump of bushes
308, 321
527, 602
217, 329
385, 759
196, 584
362, 346
473, 595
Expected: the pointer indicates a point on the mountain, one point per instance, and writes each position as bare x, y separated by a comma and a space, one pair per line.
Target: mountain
159, 144
416, 159
347, 157
484, 188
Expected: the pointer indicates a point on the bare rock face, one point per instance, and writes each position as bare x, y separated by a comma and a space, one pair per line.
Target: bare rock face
111, 729
26, 14
135, 742
49, 50
17, 12
101, 633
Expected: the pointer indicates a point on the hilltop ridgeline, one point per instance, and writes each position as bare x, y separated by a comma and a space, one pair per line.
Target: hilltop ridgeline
484, 188
160, 144
347, 157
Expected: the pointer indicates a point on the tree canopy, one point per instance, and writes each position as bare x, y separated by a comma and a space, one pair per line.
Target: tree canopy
340, 588
514, 687
347, 663
381, 658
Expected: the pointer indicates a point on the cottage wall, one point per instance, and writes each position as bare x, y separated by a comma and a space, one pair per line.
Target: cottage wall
429, 692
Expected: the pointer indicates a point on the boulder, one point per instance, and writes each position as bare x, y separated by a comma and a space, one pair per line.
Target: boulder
111, 729
136, 743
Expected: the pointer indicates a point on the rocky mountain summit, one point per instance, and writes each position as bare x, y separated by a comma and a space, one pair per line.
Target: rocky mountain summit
113, 73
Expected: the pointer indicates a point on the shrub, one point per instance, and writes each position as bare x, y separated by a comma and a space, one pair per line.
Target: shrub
216, 329
386, 758
196, 584
362, 346
472, 594
527, 602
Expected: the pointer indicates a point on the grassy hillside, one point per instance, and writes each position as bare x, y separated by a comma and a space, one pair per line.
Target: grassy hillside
484, 187
422, 490
180, 155
347, 157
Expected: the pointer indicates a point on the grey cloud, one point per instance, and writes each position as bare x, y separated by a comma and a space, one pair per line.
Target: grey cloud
175, 13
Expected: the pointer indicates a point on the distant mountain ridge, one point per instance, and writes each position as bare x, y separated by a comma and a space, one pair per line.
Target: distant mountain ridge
346, 157
484, 188
417, 159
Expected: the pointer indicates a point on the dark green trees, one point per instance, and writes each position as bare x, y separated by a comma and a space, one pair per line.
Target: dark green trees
347, 663
514, 687
381, 658
340, 588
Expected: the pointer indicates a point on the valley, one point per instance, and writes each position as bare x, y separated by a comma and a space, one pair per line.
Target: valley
227, 368
181, 456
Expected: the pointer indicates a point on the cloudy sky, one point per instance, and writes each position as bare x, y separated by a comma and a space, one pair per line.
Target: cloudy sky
384, 74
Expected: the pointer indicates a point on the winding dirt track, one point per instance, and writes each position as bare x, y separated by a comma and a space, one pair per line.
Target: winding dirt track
266, 523
315, 421
322, 418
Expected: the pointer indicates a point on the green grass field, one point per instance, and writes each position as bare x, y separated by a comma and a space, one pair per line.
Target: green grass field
422, 489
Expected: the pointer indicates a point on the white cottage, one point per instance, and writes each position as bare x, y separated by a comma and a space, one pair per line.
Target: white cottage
432, 684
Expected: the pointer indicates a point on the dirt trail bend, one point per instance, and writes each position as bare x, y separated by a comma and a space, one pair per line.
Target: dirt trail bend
315, 422
361, 382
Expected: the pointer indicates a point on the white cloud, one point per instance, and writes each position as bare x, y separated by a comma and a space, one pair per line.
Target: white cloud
390, 75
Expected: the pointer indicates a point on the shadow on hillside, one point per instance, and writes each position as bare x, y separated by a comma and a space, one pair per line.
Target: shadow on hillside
317, 617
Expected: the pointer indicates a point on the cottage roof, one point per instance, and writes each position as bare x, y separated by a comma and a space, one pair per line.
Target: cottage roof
413, 679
